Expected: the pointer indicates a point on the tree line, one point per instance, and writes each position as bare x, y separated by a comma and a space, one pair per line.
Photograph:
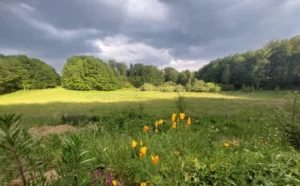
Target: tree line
276, 65
21, 72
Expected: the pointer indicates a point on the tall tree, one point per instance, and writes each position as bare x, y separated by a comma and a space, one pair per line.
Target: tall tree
88, 73
226, 75
171, 74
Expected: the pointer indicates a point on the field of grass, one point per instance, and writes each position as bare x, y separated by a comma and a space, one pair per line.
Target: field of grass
45, 107
234, 138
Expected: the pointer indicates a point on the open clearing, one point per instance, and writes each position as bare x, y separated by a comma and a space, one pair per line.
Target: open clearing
234, 138
45, 107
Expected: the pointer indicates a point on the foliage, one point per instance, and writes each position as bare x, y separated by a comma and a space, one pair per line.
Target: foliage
248, 89
276, 64
119, 69
21, 72
88, 73
228, 87
181, 103
73, 162
148, 87
171, 74
165, 87
138, 74
168, 87
18, 145
290, 122
201, 86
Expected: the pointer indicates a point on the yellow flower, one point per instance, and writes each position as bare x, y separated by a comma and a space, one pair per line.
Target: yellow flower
144, 183
143, 151
276, 141
156, 124
133, 144
146, 128
226, 144
160, 122
156, 130
141, 143
154, 159
173, 117
181, 116
141, 155
114, 182
188, 121
174, 125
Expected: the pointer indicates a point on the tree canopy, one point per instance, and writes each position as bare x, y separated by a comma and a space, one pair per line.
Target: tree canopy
88, 73
138, 74
277, 64
20, 72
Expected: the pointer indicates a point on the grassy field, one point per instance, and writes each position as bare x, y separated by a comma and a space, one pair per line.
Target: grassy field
234, 138
45, 107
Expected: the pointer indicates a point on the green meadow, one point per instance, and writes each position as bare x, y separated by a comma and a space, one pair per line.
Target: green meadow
234, 138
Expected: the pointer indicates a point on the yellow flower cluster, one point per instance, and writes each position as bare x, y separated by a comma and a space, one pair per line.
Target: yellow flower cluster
143, 149
181, 117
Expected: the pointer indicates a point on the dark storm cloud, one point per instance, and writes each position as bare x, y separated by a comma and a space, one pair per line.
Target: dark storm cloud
175, 32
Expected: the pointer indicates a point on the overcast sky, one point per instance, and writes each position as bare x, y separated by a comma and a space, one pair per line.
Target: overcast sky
185, 34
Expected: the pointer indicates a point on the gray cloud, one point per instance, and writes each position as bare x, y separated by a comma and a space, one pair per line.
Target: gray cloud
178, 33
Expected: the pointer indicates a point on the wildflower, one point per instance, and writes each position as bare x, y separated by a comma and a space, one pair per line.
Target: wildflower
133, 144
144, 183
276, 141
143, 151
141, 155
156, 124
154, 159
146, 128
181, 116
156, 130
189, 121
141, 143
226, 144
173, 117
160, 122
174, 125
114, 182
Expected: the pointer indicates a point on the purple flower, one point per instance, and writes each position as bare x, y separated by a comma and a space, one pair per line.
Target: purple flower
108, 182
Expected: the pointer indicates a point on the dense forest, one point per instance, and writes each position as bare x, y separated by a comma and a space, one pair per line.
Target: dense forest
275, 66
21, 72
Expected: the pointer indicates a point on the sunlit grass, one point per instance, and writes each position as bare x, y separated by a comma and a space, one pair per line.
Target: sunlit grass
63, 95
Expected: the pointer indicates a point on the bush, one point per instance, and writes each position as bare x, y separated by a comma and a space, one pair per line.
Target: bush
277, 88
148, 87
180, 88
201, 86
127, 84
229, 87
168, 87
248, 89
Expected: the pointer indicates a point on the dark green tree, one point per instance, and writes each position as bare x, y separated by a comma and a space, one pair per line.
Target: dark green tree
171, 74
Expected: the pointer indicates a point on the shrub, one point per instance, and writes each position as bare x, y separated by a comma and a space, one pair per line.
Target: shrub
201, 86
290, 123
248, 89
148, 87
168, 87
179, 88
